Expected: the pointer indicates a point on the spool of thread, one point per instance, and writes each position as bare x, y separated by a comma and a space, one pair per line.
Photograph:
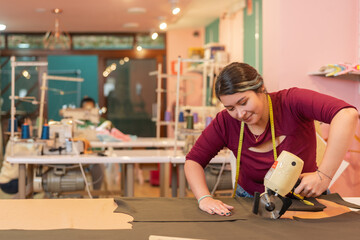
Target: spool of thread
208, 121
181, 117
45, 133
15, 125
25, 131
190, 122
167, 116
196, 117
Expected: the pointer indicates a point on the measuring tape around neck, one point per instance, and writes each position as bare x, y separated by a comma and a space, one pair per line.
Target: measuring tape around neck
241, 138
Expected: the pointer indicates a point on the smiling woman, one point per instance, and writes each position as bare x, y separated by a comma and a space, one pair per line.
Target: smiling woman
254, 121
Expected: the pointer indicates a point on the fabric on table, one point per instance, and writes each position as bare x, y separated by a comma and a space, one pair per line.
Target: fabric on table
179, 209
336, 198
45, 214
187, 210
254, 228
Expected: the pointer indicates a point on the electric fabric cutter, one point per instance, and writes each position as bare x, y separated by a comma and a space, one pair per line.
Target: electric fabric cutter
279, 181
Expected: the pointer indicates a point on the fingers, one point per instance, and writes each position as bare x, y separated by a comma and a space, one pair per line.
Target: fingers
210, 211
299, 189
310, 185
212, 207
306, 191
228, 207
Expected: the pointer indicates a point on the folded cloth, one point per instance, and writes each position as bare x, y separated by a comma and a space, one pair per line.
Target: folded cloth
107, 138
114, 135
179, 209
119, 135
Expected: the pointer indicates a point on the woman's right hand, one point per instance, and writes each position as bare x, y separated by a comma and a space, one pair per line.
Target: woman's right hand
213, 206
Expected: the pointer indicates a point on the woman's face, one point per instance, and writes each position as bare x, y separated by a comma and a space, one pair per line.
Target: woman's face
245, 106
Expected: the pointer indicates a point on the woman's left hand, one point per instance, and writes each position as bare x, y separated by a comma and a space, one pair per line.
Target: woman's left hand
312, 185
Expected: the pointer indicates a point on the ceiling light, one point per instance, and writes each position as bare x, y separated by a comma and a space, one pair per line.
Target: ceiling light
163, 26
126, 59
176, 10
2, 27
121, 62
56, 38
57, 10
154, 35
139, 48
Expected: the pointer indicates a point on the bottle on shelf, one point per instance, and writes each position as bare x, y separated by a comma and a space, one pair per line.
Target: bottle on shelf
189, 134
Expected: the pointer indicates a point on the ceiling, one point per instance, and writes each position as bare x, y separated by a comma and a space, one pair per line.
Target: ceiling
108, 15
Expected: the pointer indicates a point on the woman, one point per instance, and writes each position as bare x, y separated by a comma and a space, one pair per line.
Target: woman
241, 90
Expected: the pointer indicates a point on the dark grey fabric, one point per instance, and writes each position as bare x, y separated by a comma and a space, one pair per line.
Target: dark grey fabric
298, 205
179, 209
253, 228
336, 198
187, 210
345, 226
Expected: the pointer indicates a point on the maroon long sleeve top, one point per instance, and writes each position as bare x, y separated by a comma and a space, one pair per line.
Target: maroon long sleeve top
294, 113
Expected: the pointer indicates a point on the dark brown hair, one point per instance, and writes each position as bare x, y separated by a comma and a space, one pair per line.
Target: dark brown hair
238, 77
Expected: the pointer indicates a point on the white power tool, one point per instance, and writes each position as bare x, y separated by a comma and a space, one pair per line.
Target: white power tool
279, 181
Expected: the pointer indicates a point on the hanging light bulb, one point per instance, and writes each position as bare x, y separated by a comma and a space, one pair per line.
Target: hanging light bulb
139, 48
57, 38
154, 35
163, 26
176, 10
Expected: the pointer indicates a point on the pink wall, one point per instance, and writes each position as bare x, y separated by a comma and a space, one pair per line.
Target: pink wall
301, 36
178, 43
231, 34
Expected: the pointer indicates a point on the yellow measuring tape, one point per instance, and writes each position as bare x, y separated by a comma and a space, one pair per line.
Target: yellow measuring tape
241, 138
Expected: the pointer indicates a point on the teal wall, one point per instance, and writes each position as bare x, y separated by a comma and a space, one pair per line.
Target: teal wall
71, 66
249, 35
212, 32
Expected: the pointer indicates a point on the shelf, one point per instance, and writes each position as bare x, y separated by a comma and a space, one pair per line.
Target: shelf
194, 132
318, 73
163, 123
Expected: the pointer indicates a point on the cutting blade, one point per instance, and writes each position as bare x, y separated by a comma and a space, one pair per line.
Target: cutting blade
270, 206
